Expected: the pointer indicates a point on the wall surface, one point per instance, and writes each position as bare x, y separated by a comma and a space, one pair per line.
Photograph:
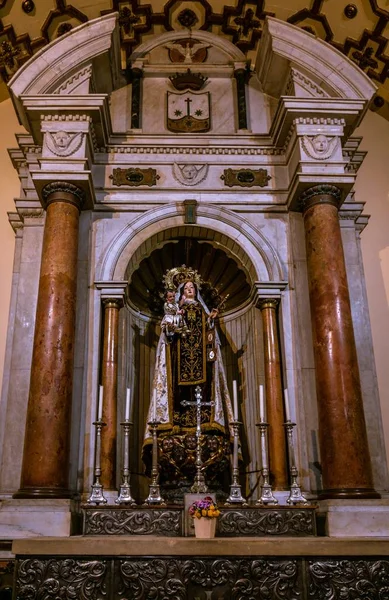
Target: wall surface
372, 187
9, 190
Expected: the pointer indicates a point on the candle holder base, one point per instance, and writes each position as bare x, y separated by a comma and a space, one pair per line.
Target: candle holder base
235, 496
125, 496
266, 496
296, 496
97, 495
154, 498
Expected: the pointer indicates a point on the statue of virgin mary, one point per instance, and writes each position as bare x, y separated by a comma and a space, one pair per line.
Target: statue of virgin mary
189, 355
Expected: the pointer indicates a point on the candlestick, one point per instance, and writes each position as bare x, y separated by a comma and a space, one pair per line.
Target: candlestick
128, 404
100, 405
287, 407
235, 399
261, 404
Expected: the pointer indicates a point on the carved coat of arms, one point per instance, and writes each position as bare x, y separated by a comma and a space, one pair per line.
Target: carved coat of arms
188, 112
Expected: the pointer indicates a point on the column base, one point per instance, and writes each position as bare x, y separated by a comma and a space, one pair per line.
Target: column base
44, 493
349, 493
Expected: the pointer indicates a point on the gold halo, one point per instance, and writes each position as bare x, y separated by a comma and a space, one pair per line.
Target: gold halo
174, 277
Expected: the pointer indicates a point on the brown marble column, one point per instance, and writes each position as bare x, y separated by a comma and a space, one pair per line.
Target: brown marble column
274, 396
46, 447
344, 450
109, 377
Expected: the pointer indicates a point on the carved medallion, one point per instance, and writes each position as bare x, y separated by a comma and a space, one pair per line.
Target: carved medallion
134, 177
320, 147
245, 177
189, 174
62, 143
188, 112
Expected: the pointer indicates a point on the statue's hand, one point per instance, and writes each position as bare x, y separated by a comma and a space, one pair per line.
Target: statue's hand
214, 313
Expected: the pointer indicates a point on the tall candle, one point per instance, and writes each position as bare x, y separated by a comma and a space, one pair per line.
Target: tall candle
100, 404
261, 404
154, 407
235, 398
128, 404
287, 408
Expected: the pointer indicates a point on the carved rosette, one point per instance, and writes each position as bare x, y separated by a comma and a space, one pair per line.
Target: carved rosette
64, 192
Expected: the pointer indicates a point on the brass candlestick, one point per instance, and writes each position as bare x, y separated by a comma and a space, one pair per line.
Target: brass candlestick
154, 497
295, 495
125, 496
235, 496
266, 490
97, 493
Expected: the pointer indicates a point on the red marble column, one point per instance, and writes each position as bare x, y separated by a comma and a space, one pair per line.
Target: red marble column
46, 447
344, 450
109, 381
274, 397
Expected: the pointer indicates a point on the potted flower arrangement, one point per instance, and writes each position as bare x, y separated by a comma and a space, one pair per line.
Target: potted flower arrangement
204, 513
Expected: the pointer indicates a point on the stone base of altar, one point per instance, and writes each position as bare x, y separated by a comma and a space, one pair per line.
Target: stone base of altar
30, 518
139, 567
345, 518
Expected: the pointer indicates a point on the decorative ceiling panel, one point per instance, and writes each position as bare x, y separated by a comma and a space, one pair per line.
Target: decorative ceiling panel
359, 29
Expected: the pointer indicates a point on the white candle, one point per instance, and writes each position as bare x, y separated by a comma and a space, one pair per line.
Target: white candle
287, 408
261, 405
235, 399
100, 404
154, 407
128, 404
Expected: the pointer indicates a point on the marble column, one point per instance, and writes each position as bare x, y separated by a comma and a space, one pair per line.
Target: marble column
46, 448
109, 381
344, 450
274, 396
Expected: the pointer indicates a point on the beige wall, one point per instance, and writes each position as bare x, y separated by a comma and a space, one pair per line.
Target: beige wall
10, 188
372, 187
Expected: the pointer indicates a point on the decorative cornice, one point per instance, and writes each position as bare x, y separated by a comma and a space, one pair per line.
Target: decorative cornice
63, 187
243, 151
320, 194
319, 121
62, 117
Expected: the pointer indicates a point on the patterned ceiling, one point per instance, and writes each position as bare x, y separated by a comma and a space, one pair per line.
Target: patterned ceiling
359, 29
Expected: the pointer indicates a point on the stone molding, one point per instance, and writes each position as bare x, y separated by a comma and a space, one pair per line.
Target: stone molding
320, 194
63, 187
74, 82
170, 149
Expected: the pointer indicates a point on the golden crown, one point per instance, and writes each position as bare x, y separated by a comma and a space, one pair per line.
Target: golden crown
174, 277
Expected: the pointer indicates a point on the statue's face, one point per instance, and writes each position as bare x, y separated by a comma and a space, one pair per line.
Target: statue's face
189, 290
189, 172
170, 297
320, 143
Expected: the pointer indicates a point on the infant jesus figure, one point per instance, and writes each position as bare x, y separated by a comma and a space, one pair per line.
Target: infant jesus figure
173, 321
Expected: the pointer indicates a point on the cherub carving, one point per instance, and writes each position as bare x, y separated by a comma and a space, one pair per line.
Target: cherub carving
189, 174
62, 143
320, 147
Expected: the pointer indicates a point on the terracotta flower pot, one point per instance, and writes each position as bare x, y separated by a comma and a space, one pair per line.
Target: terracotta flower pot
205, 528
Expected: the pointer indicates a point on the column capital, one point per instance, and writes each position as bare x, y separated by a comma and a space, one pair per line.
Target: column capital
320, 194
112, 302
263, 303
63, 191
266, 291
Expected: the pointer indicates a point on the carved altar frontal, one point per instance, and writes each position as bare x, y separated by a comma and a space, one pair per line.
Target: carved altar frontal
159, 521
